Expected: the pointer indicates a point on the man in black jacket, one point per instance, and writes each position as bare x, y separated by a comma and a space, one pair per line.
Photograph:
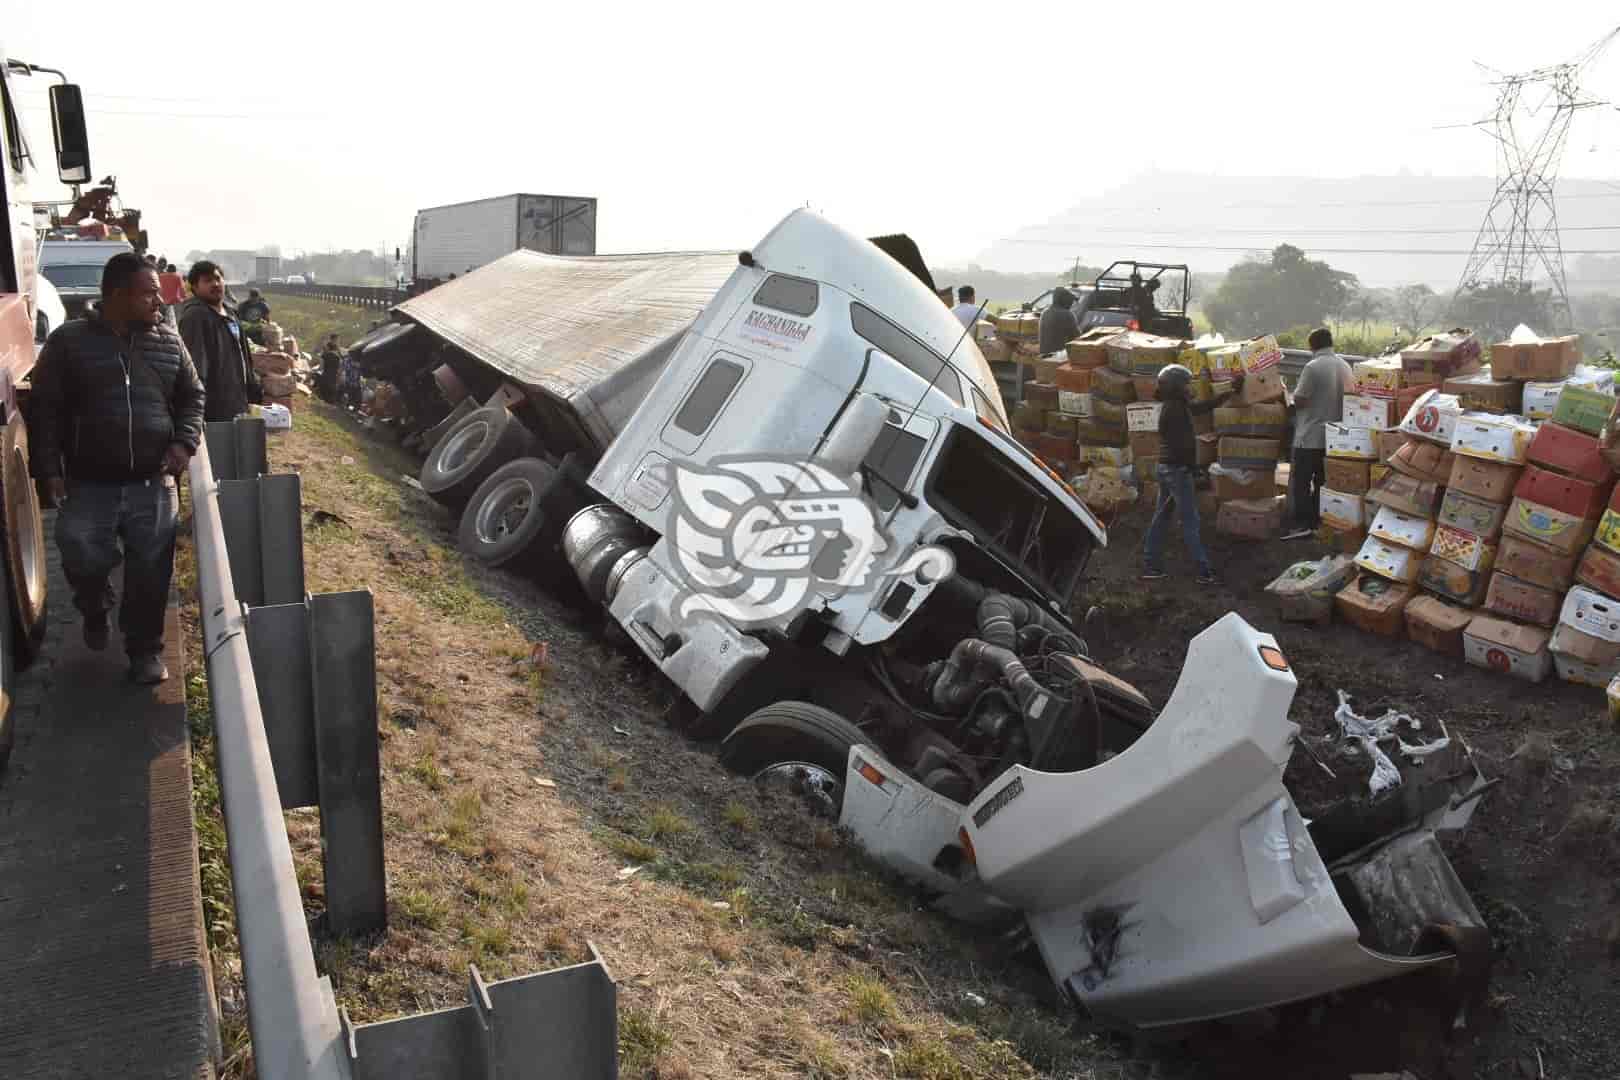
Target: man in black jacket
1058, 323
117, 412
1178, 460
216, 342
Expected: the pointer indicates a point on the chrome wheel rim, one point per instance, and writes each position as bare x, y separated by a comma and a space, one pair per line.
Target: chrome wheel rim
504, 511
820, 789
461, 445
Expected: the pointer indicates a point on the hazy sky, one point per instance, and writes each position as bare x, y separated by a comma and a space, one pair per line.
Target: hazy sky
698, 125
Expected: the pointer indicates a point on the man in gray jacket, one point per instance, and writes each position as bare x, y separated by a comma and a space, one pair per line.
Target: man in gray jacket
1318, 402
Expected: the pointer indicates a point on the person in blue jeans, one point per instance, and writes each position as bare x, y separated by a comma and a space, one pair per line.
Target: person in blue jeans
1178, 457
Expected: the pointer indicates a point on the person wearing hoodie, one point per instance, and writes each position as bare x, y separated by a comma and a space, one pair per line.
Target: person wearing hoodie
217, 344
1058, 324
1178, 458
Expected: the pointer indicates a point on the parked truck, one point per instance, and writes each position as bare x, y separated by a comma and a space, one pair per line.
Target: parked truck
22, 569
786, 476
454, 239
266, 268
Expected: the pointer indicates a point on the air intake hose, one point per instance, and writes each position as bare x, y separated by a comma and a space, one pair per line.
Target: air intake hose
1001, 616
957, 683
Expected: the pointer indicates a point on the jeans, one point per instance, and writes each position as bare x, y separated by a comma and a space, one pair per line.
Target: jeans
1306, 472
1175, 487
100, 525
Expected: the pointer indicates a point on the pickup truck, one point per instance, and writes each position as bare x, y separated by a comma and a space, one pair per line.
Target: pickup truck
786, 476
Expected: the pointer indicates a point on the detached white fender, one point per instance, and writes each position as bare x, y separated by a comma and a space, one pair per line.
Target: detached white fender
1176, 882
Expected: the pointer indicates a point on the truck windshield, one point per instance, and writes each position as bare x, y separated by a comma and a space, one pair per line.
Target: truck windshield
977, 488
73, 275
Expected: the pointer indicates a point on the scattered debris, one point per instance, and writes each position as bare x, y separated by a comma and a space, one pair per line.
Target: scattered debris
540, 655
412, 481
617, 730
544, 782
320, 518
720, 905
975, 999
345, 460
628, 872
1369, 733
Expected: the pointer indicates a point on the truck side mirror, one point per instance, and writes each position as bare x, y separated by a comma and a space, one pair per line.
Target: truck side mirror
67, 124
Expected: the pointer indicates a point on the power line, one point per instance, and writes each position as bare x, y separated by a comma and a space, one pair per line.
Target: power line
1258, 247
1287, 230
1141, 208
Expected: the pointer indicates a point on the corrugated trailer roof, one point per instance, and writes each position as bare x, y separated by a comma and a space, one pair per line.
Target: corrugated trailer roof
565, 325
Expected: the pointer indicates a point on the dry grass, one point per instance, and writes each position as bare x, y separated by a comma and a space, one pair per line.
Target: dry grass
719, 978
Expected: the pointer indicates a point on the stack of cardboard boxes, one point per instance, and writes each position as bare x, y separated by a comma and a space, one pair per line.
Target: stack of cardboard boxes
1492, 516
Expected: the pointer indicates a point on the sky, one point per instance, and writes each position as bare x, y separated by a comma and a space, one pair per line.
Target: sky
321, 126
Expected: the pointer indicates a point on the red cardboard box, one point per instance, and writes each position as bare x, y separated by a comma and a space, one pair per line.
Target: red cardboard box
1521, 600
1599, 569
1582, 498
1437, 625
1535, 563
1073, 378
1489, 480
1565, 450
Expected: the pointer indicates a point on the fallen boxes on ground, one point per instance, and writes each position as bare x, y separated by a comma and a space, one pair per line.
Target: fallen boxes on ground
1437, 625
1305, 591
1499, 645
1374, 604
1253, 519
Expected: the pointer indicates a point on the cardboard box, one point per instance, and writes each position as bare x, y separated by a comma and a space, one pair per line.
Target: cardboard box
1095, 431
1374, 604
1406, 397
1143, 416
1481, 391
1266, 421
1018, 324
1548, 358
1110, 386
1237, 452
1208, 449
1420, 498
1394, 527
1115, 456
1223, 362
1440, 356
1608, 530
1592, 613
1380, 376
1305, 590
1043, 396
1344, 541
1254, 519
1090, 349
1580, 673
1241, 483
1453, 580
1437, 625
1493, 438
1144, 444
1582, 498
1471, 514
1540, 400
1488, 480
1499, 645
1535, 563
1571, 452
1463, 548
1399, 564
1577, 644
1350, 442
1583, 409
1348, 475
1073, 378
1075, 404
1046, 368
1028, 417
1434, 417
1515, 599
1147, 386
1363, 411
1137, 353
1389, 442
1108, 412
1424, 461
1599, 569
1379, 473
1259, 354
1342, 509
1055, 449
1553, 528
1063, 424
1208, 504
1260, 387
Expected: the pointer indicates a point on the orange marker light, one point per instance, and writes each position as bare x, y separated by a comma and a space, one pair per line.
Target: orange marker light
1274, 658
967, 845
868, 770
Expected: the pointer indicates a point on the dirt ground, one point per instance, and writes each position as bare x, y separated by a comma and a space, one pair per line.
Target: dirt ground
536, 795
1541, 857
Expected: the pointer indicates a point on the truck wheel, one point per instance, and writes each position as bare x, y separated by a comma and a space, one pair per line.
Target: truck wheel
482, 442
25, 544
797, 745
509, 512
8, 691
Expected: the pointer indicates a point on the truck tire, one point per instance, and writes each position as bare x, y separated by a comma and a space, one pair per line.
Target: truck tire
24, 543
470, 451
804, 745
510, 512
8, 689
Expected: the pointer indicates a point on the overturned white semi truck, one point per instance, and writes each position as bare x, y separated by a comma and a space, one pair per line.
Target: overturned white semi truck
787, 476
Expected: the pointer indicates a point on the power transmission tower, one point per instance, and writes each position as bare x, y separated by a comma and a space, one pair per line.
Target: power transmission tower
1519, 235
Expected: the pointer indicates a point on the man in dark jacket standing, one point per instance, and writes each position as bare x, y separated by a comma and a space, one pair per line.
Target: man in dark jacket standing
117, 413
1058, 324
214, 337
1178, 458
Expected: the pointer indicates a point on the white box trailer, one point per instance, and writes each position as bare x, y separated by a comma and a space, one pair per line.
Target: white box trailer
464, 236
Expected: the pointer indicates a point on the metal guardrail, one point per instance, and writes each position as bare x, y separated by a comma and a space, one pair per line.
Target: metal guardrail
371, 296
321, 742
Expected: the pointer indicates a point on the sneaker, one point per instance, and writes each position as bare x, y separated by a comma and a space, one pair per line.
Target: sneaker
1152, 575
1300, 533
95, 632
147, 670
1208, 577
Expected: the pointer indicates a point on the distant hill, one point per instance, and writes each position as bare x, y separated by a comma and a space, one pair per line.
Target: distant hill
1388, 230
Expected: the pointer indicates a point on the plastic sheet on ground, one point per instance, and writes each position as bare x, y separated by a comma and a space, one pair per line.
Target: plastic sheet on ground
1370, 732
